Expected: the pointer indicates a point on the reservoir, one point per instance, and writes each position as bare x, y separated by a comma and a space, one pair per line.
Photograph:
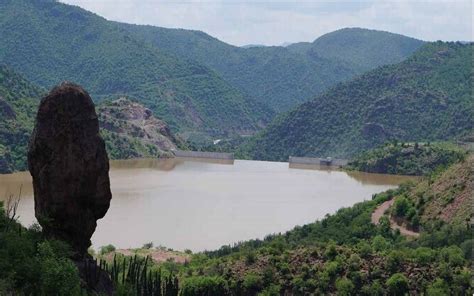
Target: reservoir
202, 205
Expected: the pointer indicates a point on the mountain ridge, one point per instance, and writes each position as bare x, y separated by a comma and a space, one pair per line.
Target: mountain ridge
424, 98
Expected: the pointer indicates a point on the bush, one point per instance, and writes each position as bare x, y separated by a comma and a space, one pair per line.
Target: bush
252, 283
204, 285
379, 243
344, 287
397, 284
424, 255
452, 255
59, 276
147, 245
438, 288
106, 249
272, 290
401, 207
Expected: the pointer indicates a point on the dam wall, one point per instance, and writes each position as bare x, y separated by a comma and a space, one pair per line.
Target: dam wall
200, 154
318, 161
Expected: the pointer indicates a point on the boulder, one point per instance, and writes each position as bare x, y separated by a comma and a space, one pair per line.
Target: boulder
70, 167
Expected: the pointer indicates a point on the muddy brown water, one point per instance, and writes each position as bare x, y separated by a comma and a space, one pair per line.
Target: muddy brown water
198, 205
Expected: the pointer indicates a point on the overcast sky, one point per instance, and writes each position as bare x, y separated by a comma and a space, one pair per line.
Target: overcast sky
275, 22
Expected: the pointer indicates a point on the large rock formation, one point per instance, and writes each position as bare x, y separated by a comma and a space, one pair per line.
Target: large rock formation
69, 165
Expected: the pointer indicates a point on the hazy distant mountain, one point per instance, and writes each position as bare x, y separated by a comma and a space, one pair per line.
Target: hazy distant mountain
283, 77
252, 45
49, 42
427, 97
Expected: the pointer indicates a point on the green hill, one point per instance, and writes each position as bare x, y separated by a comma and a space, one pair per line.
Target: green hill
408, 158
49, 42
18, 103
428, 97
362, 49
281, 77
129, 129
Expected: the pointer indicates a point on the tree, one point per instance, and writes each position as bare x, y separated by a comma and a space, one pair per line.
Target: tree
344, 287
397, 284
438, 288
401, 206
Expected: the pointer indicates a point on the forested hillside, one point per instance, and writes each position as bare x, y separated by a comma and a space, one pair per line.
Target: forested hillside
49, 42
129, 129
407, 158
362, 49
18, 103
427, 97
282, 77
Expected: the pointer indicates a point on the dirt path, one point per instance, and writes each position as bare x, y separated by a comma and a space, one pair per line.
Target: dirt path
379, 212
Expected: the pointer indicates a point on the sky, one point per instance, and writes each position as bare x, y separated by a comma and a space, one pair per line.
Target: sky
276, 22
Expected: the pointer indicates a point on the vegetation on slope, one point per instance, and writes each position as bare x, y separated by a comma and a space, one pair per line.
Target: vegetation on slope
282, 77
18, 104
129, 129
408, 158
31, 265
49, 42
363, 49
445, 196
428, 97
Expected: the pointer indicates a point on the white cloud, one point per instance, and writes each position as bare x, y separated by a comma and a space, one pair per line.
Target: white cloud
275, 22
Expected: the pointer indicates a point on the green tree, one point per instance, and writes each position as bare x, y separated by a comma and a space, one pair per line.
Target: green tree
438, 288
397, 284
344, 287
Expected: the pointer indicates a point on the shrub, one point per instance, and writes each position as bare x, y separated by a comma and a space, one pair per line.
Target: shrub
148, 245
379, 243
106, 249
452, 255
344, 286
272, 290
438, 288
252, 283
397, 284
424, 255
401, 207
204, 285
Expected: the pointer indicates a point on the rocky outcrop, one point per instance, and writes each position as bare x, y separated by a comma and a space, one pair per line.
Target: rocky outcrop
70, 167
132, 131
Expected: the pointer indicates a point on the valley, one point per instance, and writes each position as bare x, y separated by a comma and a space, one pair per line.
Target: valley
337, 164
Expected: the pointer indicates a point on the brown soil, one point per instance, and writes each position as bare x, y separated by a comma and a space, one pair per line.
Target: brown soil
379, 212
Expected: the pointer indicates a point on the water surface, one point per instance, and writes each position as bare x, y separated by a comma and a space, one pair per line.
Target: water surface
202, 205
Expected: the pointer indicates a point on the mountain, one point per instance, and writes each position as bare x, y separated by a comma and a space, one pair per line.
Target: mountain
362, 49
282, 77
49, 42
424, 98
129, 129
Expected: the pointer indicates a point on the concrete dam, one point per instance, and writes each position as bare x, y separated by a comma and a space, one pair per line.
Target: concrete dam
328, 161
200, 154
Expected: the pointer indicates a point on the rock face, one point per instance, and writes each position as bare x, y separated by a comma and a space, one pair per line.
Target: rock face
70, 167
132, 131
